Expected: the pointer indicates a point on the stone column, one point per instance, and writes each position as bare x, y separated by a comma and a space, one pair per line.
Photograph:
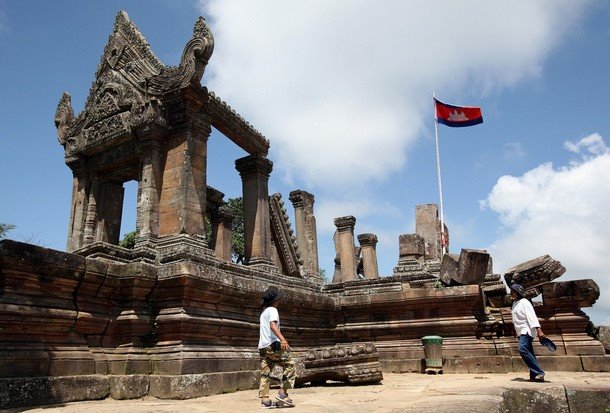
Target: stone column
337, 269
89, 232
345, 229
305, 223
182, 203
222, 220
151, 145
368, 242
78, 211
427, 225
255, 171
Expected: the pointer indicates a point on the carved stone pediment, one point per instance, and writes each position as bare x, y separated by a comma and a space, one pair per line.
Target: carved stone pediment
129, 88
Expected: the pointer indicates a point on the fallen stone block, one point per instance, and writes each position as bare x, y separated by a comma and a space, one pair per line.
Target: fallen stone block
583, 293
533, 273
353, 364
469, 268
449, 267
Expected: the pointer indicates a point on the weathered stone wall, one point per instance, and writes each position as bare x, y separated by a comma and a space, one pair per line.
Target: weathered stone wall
189, 326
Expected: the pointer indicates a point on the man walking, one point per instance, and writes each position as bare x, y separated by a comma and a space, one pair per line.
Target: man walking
527, 327
274, 350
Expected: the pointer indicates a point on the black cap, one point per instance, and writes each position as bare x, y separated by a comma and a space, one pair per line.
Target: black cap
517, 288
272, 294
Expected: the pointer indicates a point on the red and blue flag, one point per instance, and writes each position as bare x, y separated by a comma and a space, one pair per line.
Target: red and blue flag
457, 116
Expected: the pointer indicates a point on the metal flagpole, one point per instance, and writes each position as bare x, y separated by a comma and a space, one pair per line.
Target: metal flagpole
438, 171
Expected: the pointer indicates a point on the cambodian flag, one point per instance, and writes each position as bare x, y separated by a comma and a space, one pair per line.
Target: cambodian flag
457, 116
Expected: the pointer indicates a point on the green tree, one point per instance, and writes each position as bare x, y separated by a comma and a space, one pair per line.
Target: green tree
5, 229
129, 240
237, 229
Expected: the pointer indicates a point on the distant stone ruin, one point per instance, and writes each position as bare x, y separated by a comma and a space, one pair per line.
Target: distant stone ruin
174, 317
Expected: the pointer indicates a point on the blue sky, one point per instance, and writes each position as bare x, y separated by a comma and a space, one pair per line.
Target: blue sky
344, 93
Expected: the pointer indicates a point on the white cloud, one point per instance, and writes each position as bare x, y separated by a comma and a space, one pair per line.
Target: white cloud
343, 88
4, 26
593, 144
514, 151
562, 212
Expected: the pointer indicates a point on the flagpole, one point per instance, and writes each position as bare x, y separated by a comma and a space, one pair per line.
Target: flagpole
438, 172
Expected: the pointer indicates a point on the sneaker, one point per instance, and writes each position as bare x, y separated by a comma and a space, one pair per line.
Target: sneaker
268, 404
284, 400
539, 378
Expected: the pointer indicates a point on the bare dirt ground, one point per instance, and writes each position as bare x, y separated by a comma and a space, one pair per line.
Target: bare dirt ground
397, 393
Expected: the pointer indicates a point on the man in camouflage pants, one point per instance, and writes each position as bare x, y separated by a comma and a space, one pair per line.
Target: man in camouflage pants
274, 350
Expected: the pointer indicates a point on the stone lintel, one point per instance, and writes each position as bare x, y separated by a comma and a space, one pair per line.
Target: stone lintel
234, 127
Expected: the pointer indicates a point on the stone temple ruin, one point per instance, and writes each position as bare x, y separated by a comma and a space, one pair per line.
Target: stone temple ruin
175, 318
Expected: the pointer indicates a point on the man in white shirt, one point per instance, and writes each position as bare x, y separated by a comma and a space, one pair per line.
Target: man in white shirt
527, 327
274, 350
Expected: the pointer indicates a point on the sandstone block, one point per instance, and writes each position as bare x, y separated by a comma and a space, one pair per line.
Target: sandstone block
488, 364
197, 385
129, 387
564, 363
31, 391
411, 245
596, 363
473, 266
469, 268
567, 293
587, 399
449, 268
533, 273
531, 400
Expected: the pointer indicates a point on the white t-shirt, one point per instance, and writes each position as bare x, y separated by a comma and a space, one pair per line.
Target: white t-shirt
266, 336
524, 317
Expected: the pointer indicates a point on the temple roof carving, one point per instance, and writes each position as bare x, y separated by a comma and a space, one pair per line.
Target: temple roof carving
129, 88
133, 88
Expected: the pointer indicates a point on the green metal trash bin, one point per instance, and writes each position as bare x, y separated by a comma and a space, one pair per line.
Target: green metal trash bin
433, 350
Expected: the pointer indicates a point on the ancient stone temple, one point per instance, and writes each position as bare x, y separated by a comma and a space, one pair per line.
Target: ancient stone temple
174, 317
